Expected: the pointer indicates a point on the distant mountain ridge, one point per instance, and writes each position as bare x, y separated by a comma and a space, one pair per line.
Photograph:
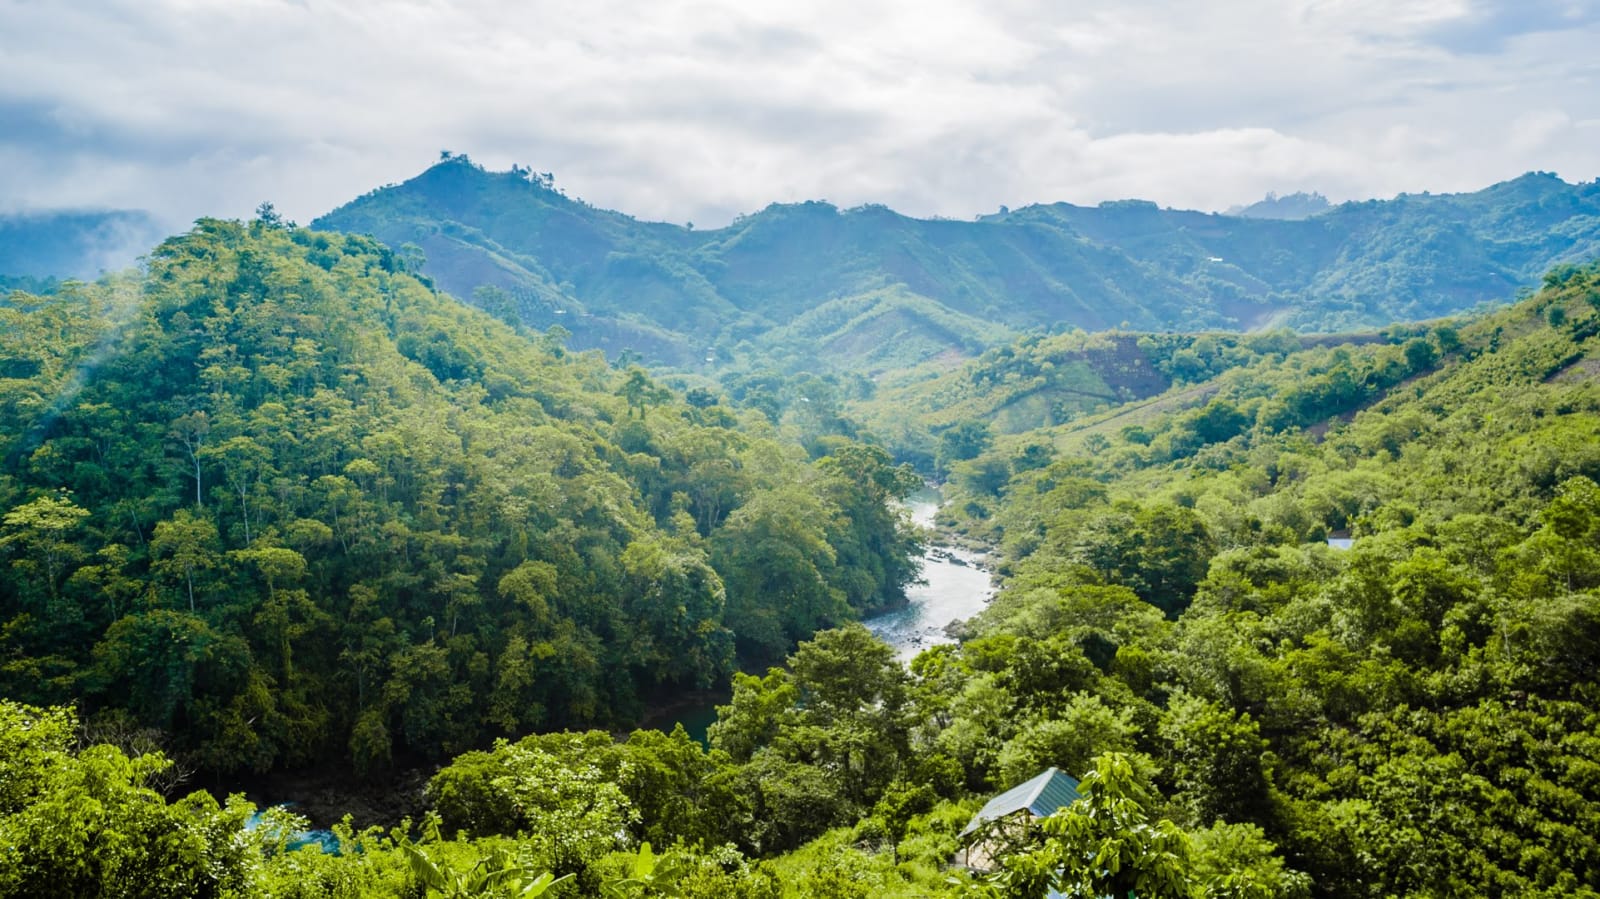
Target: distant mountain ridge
870, 289
1293, 206
74, 243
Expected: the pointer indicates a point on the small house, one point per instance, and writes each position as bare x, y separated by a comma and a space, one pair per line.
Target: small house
1004, 822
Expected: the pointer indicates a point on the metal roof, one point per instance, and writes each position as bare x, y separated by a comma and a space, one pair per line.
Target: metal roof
1041, 796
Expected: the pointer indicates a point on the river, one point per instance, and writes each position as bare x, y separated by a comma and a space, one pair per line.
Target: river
954, 587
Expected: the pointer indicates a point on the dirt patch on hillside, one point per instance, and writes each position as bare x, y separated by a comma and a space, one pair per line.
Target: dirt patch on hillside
1585, 369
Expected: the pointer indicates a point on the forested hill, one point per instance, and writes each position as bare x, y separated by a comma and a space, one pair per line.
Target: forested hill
872, 290
1407, 710
1254, 712
283, 503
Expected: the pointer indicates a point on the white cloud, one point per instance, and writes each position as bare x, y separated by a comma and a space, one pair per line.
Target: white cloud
689, 109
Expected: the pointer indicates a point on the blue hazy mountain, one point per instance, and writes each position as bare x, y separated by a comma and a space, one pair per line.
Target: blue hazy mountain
868, 288
74, 244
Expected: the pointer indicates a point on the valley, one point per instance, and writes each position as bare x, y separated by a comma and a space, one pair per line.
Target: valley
283, 513
804, 451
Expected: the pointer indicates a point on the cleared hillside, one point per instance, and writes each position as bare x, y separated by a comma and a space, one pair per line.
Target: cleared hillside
751, 292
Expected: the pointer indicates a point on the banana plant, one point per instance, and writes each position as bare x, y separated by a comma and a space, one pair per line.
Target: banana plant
649, 875
494, 875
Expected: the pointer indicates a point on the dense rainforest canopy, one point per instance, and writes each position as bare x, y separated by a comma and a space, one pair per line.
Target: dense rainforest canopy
285, 504
1253, 711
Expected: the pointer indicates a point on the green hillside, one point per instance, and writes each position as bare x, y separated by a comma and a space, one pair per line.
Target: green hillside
939, 413
754, 291
276, 503
1253, 711
1410, 716
281, 503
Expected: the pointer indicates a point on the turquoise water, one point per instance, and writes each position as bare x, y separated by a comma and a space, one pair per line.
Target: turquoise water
695, 722
695, 716
322, 839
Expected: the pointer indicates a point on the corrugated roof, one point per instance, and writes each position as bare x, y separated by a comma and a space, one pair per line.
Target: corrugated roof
1041, 796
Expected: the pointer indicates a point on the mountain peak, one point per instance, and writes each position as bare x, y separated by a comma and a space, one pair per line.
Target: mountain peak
1291, 207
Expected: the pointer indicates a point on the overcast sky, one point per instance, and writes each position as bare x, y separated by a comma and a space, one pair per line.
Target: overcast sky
697, 111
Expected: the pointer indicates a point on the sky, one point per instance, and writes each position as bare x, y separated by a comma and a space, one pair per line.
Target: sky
687, 111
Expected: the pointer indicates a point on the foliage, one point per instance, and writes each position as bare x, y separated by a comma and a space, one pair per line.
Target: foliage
1342, 703
277, 497
1104, 845
229, 519
87, 824
494, 872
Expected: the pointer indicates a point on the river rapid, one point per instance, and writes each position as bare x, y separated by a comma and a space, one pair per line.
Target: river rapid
954, 586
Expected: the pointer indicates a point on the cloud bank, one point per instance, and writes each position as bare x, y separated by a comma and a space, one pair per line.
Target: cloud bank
683, 110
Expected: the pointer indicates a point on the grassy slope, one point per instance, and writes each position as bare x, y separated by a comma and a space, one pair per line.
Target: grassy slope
753, 288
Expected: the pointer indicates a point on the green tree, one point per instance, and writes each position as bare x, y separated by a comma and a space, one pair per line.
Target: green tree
759, 707
190, 431
641, 392
852, 695
775, 560
966, 439
1069, 740
1219, 763
186, 545
87, 824
43, 530
569, 808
